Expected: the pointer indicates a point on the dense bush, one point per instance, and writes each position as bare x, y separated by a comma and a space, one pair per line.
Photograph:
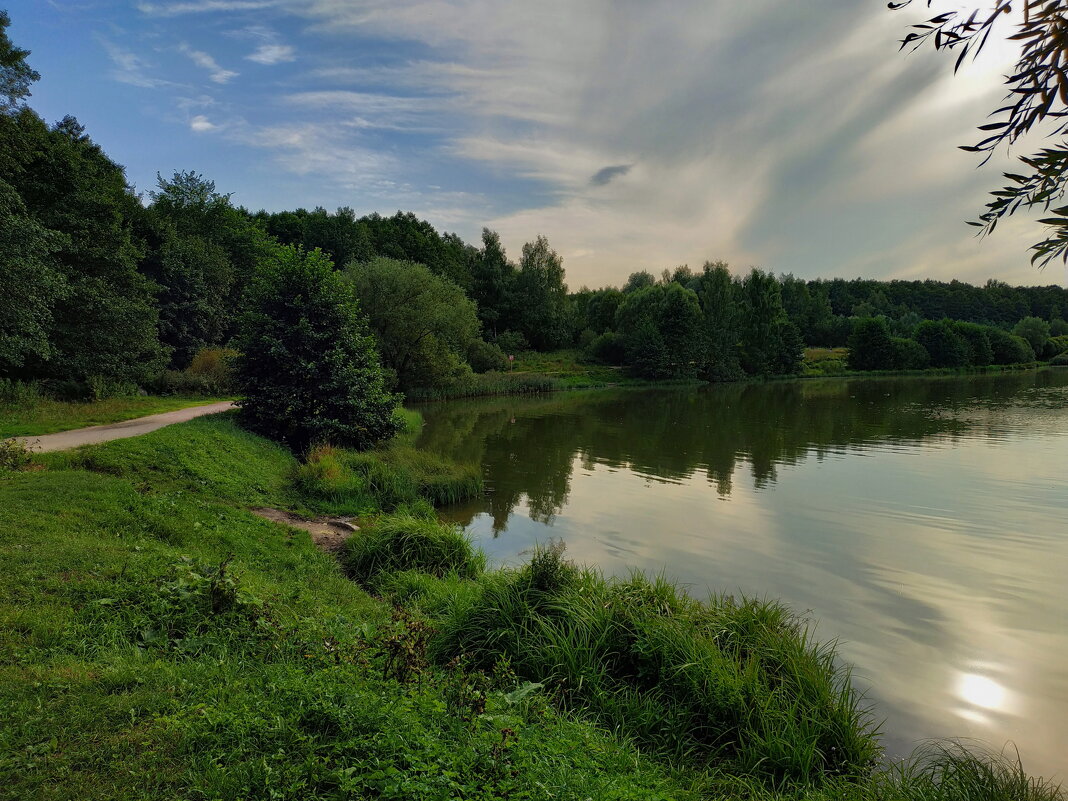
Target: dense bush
511, 342
1007, 348
606, 348
484, 357
909, 354
1035, 330
1060, 360
308, 366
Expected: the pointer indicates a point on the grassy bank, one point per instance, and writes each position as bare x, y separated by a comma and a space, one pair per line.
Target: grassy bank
37, 415
158, 640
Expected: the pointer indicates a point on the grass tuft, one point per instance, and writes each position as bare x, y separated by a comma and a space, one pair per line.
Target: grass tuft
407, 543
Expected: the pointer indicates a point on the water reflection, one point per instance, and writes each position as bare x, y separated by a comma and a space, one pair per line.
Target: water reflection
920, 521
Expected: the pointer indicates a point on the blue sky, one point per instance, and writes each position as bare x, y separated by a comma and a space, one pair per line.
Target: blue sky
635, 135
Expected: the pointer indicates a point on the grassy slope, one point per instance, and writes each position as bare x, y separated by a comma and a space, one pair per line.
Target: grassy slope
116, 683
47, 416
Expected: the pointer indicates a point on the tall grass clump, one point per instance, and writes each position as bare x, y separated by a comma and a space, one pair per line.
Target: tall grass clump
486, 384
322, 476
950, 771
405, 542
735, 684
401, 474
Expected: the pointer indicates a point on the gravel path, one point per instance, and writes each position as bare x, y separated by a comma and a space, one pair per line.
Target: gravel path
128, 428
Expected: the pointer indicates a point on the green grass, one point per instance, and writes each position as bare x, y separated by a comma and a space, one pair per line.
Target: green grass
39, 415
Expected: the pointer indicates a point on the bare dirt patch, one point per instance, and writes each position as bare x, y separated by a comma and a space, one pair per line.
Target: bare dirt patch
328, 533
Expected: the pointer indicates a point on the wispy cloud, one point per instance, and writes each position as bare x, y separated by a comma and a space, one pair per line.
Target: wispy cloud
130, 68
270, 50
205, 6
207, 62
272, 54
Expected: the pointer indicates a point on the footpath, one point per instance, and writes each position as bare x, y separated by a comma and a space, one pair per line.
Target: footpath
127, 428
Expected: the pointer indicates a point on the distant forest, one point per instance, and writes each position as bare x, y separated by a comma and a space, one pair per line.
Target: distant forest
102, 289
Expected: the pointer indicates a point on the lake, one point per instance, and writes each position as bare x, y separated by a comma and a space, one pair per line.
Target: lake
919, 521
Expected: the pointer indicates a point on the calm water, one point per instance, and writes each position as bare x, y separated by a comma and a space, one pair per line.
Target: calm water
919, 521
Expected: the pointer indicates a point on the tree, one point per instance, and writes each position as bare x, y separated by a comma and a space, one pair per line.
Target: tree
308, 366
639, 280
492, 283
978, 341
946, 347
16, 76
1037, 101
543, 305
661, 328
424, 324
1035, 331
770, 343
870, 345
718, 293
30, 285
105, 324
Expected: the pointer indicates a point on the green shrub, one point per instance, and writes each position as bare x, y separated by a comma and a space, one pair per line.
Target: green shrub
489, 384
403, 542
483, 357
14, 455
511, 342
103, 388
870, 347
1008, 348
607, 348
945, 346
1056, 345
975, 336
1060, 360
19, 393
909, 354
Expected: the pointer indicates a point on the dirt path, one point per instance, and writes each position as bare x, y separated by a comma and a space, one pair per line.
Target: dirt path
329, 534
128, 428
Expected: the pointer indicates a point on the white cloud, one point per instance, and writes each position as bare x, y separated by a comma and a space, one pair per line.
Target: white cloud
201, 124
207, 62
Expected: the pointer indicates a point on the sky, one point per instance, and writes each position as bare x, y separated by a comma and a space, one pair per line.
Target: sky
634, 134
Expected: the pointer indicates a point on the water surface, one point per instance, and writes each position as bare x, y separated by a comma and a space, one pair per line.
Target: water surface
919, 521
